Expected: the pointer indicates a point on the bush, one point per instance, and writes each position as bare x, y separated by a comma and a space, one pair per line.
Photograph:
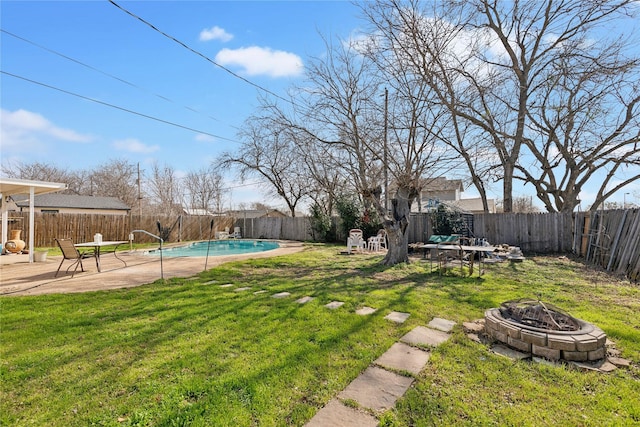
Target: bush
446, 221
320, 224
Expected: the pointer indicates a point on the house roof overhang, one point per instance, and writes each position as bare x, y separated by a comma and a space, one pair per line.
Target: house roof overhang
9, 186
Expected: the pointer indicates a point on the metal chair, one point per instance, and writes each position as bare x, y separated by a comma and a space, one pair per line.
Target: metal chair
71, 253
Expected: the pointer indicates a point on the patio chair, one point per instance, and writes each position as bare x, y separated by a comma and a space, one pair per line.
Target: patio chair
71, 253
236, 233
355, 240
378, 242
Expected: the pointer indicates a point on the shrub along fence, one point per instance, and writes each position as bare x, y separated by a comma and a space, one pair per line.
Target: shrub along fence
610, 239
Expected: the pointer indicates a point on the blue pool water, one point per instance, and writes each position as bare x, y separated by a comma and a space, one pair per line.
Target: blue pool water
218, 248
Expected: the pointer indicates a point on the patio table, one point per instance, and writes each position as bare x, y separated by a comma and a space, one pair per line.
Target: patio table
461, 249
98, 245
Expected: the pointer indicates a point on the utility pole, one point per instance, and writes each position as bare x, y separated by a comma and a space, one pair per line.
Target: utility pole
139, 195
386, 164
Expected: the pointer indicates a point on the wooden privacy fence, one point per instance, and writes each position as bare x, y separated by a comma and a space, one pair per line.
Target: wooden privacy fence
82, 227
532, 232
610, 239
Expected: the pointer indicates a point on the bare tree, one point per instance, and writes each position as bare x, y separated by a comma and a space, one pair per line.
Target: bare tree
163, 186
115, 178
38, 171
524, 204
205, 189
342, 108
326, 178
486, 61
585, 127
269, 151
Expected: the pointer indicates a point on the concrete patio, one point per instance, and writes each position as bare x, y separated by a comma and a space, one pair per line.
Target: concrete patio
19, 277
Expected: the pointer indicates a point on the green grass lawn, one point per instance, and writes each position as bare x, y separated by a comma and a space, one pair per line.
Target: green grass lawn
188, 352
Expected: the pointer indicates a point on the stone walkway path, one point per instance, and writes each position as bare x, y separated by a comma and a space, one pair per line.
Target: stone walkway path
379, 387
386, 380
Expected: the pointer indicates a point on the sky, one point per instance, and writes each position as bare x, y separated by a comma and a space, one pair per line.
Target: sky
85, 82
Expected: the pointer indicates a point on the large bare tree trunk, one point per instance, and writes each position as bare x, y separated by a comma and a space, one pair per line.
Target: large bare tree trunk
397, 226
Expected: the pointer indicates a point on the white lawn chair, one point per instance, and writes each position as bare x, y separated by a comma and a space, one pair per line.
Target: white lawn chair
378, 242
356, 240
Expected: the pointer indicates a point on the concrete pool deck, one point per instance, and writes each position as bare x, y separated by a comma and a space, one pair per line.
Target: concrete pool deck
19, 277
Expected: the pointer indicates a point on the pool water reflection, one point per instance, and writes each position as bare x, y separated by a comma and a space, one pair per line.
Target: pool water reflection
217, 248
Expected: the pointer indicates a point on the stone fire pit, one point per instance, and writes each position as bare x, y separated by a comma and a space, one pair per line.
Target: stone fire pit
543, 330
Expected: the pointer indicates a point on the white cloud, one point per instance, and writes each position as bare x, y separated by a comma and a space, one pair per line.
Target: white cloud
24, 129
201, 137
262, 61
215, 33
132, 145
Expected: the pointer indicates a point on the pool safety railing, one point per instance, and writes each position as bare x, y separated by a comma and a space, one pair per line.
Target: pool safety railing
155, 237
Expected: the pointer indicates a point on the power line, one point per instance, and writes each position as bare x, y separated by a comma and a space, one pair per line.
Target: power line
206, 58
107, 74
115, 106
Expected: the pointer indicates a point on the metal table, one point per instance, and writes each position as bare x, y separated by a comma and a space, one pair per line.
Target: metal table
461, 249
98, 245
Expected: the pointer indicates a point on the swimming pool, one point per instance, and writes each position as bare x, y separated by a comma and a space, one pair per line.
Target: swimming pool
217, 248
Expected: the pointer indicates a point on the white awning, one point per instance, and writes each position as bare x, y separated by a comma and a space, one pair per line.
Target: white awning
9, 187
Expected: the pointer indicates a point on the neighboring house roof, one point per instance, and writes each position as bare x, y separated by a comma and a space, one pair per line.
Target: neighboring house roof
473, 205
442, 184
260, 213
70, 201
197, 212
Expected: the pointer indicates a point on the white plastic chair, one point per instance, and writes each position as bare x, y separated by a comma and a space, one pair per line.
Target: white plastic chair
378, 242
356, 240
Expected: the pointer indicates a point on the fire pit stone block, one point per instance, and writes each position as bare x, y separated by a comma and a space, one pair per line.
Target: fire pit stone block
600, 336
510, 330
587, 343
519, 345
545, 352
575, 356
535, 338
561, 342
496, 334
490, 321
597, 354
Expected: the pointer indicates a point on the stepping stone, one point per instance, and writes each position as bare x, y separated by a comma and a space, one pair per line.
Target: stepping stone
259, 292
397, 317
421, 335
228, 285
476, 327
619, 361
304, 300
443, 325
365, 311
509, 352
334, 304
280, 295
210, 282
376, 388
335, 414
245, 288
403, 357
